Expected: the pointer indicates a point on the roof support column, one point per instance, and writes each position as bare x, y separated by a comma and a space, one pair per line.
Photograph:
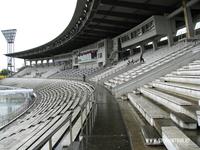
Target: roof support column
53, 61
155, 45
131, 51
170, 28
31, 63
119, 48
47, 62
142, 49
170, 38
188, 20
24, 62
116, 58
141, 52
36, 62
173, 25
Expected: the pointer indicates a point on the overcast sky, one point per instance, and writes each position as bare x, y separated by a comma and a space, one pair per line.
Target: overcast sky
37, 22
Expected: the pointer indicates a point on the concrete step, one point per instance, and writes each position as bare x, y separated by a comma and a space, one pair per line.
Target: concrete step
191, 91
181, 79
151, 136
183, 121
149, 110
172, 103
175, 139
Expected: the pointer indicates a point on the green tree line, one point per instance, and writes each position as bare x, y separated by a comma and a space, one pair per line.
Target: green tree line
4, 72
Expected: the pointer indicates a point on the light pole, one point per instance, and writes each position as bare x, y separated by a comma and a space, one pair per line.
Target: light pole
10, 38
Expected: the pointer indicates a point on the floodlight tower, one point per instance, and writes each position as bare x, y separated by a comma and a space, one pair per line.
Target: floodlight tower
10, 38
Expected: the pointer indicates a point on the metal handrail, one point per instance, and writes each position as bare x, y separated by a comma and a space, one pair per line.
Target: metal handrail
69, 119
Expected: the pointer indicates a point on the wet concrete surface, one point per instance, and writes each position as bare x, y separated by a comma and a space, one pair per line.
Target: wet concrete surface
109, 131
194, 135
134, 121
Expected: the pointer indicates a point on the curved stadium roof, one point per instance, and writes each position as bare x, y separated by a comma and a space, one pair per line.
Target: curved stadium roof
94, 20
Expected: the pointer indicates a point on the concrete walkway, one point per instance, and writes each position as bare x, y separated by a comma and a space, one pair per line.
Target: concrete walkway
109, 131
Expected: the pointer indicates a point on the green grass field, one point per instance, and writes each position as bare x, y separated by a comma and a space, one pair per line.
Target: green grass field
2, 77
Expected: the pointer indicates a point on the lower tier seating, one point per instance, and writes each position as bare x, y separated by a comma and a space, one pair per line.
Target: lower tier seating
170, 104
57, 102
174, 138
74, 73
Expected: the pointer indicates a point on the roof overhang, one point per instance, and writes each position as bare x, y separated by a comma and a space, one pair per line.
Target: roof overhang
94, 20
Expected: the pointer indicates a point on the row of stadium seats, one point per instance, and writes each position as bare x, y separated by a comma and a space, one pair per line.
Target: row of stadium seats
57, 101
119, 77
171, 105
153, 61
150, 56
74, 73
38, 71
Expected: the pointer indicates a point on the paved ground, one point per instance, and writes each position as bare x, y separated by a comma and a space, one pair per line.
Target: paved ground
109, 132
115, 120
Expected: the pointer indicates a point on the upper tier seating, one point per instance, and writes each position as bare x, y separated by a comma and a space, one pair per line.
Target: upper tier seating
56, 100
152, 61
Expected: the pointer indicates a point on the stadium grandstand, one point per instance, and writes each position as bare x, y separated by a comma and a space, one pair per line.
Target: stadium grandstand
123, 75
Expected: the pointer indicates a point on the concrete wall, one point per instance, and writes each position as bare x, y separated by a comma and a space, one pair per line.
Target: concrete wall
74, 57
140, 39
101, 51
162, 25
104, 50
88, 65
109, 49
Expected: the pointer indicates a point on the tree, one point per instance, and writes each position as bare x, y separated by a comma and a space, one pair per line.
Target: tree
4, 72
